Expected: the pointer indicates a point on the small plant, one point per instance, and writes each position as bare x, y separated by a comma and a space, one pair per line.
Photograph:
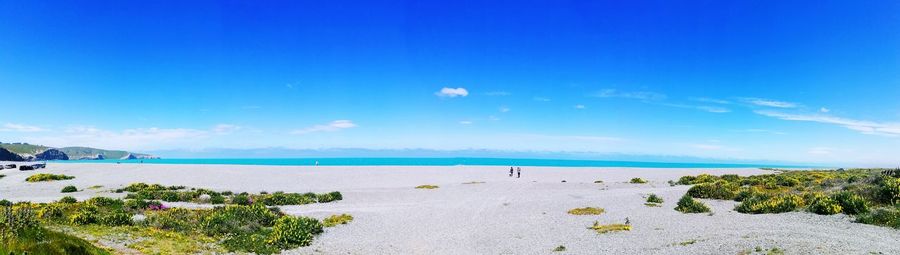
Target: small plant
687, 204
770, 204
653, 198
688, 242
598, 181
68, 200
559, 248
5, 202
602, 229
587, 211
427, 187
638, 180
48, 177
290, 231
881, 217
652, 205
95, 187
825, 206
335, 220
715, 190
473, 182
69, 189
851, 203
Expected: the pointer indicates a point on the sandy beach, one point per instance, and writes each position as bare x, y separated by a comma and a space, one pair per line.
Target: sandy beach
498, 215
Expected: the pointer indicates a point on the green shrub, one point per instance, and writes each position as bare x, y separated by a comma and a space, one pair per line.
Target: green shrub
559, 248
427, 186
281, 198
335, 220
241, 199
52, 211
889, 190
176, 219
104, 202
115, 219
691, 180
290, 231
15, 219
824, 205
731, 178
217, 199
5, 202
687, 204
638, 181
82, 218
169, 196
882, 217
69, 189
68, 200
851, 203
329, 197
653, 198
140, 204
763, 203
256, 242
716, 190
237, 219
48, 177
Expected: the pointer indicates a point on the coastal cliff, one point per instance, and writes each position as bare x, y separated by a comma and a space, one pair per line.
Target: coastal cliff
30, 152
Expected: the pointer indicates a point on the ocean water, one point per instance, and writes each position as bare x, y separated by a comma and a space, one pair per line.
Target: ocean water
424, 162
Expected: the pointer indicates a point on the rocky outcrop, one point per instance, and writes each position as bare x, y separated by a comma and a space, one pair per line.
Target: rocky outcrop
6, 155
51, 154
140, 156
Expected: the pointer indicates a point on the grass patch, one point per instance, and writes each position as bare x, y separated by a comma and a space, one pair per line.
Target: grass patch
603, 229
652, 205
48, 177
145, 191
427, 186
653, 198
598, 181
587, 211
22, 233
335, 220
637, 181
687, 204
688, 242
559, 248
473, 182
95, 187
69, 189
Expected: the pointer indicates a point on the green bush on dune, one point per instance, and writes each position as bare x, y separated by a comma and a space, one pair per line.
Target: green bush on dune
69, 189
48, 177
687, 204
653, 198
637, 181
716, 190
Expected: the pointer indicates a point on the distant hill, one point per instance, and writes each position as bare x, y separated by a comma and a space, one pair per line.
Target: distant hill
26, 152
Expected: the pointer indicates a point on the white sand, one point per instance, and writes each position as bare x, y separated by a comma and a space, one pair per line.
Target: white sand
501, 216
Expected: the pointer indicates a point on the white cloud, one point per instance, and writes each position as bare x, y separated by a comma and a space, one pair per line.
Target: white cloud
710, 100
330, 127
465, 122
13, 127
225, 129
541, 99
865, 127
825, 110
504, 109
497, 93
639, 95
770, 103
493, 118
820, 150
451, 92
713, 109
579, 106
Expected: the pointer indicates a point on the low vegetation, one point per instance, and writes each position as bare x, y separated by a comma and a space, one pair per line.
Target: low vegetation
21, 233
687, 204
48, 177
427, 187
335, 220
872, 196
474, 182
653, 198
587, 211
143, 191
151, 228
602, 229
559, 248
69, 189
637, 181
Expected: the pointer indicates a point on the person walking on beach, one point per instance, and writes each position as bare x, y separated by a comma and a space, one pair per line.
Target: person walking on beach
510, 171
519, 172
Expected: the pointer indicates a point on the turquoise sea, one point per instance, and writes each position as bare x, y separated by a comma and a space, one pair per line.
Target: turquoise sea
424, 162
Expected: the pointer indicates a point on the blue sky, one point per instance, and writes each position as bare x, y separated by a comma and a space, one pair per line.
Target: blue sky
755, 80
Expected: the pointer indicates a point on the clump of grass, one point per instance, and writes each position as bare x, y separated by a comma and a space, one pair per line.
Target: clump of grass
48, 177
851, 203
652, 205
764, 203
587, 211
688, 242
653, 198
95, 187
715, 190
335, 220
473, 182
687, 204
68, 200
427, 186
889, 217
598, 181
775, 251
69, 189
637, 180
559, 248
179, 194
602, 229
824, 205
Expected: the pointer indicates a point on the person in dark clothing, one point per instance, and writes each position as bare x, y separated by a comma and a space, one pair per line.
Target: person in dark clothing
519, 172
510, 171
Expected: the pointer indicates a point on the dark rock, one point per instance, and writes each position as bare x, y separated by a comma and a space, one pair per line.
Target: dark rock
6, 155
51, 154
